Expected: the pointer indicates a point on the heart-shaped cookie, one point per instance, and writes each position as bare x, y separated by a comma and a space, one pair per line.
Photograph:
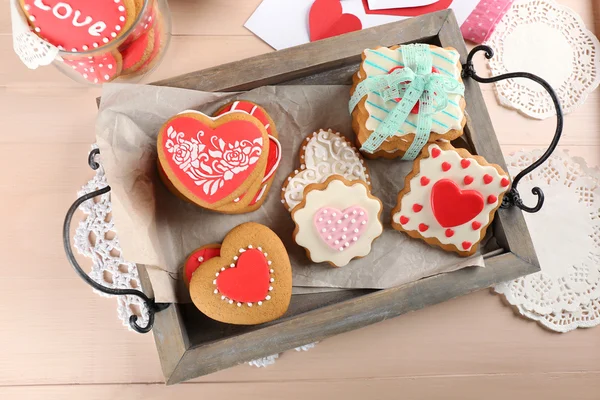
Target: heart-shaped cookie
323, 154
212, 161
197, 257
249, 283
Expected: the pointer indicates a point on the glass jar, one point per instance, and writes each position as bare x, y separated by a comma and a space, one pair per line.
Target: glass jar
129, 56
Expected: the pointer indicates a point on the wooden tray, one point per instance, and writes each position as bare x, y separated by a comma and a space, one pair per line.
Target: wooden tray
190, 344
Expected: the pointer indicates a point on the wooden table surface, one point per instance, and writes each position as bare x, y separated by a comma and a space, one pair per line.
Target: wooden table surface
59, 340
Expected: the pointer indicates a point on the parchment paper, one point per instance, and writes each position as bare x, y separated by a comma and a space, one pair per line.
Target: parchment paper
158, 229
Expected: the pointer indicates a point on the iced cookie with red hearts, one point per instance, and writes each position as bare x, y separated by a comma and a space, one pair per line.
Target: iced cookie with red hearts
212, 161
79, 25
375, 106
450, 198
274, 155
323, 154
197, 258
249, 283
337, 221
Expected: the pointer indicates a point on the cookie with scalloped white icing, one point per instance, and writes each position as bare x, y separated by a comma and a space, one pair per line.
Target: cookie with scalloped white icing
323, 154
447, 124
337, 221
450, 198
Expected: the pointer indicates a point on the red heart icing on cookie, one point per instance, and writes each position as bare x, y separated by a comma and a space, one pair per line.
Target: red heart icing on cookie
211, 159
248, 281
452, 206
77, 25
326, 19
98, 69
195, 260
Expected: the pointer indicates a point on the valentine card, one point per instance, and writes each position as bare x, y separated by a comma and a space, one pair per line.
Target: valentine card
462, 8
387, 4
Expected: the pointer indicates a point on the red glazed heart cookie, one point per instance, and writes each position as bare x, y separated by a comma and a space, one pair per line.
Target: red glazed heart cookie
138, 52
97, 69
212, 161
274, 155
450, 198
79, 25
197, 258
249, 283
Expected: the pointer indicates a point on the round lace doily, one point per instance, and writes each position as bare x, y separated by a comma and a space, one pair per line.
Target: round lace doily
551, 41
565, 295
31, 49
96, 238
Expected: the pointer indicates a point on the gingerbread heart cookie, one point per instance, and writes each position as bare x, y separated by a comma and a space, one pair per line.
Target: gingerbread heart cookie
197, 257
323, 154
249, 283
450, 198
337, 220
212, 161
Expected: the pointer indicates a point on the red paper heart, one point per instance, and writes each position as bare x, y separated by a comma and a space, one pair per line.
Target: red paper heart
248, 281
410, 11
326, 19
212, 163
452, 206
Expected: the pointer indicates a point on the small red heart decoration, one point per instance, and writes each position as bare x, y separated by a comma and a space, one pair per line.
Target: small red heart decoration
417, 207
468, 180
476, 225
404, 220
248, 281
435, 152
465, 163
452, 206
466, 245
492, 199
424, 181
487, 179
423, 227
449, 233
446, 166
326, 19
504, 182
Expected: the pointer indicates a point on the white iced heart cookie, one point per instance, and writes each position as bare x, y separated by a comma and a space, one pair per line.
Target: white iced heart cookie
337, 220
323, 154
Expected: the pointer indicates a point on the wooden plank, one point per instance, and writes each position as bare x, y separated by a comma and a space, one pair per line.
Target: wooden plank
293, 63
343, 317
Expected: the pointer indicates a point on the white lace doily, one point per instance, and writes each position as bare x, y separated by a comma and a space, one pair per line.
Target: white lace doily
565, 295
551, 41
96, 239
31, 49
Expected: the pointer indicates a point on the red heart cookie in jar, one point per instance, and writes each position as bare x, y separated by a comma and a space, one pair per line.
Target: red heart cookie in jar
249, 283
212, 161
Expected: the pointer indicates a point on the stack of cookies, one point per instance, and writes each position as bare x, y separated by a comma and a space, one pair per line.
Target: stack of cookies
382, 128
329, 196
225, 163
103, 39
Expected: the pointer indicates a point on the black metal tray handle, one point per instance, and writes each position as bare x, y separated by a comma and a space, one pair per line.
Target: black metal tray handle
511, 199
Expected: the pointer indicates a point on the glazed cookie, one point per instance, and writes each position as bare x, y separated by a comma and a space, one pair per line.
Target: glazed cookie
450, 198
79, 25
249, 283
197, 258
212, 161
138, 52
337, 220
323, 154
372, 109
274, 156
98, 69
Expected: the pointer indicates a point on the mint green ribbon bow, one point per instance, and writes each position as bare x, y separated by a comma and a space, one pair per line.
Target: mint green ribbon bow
413, 83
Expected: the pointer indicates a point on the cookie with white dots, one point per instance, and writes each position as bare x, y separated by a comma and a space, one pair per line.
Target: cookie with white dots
98, 69
337, 220
450, 198
197, 258
249, 283
323, 154
79, 25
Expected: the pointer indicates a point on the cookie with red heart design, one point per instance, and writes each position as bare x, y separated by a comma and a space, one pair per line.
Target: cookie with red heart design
212, 161
197, 258
337, 220
249, 283
274, 154
450, 198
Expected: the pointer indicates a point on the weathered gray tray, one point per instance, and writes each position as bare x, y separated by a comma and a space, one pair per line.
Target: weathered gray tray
190, 344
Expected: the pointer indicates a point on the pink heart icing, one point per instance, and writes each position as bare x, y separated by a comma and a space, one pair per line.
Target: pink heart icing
341, 229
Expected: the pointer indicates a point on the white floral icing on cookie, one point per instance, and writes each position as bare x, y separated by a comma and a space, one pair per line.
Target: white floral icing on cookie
323, 154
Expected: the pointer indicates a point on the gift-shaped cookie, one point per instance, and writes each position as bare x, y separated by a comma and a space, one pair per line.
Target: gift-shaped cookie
337, 220
450, 198
406, 96
249, 282
212, 162
323, 154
